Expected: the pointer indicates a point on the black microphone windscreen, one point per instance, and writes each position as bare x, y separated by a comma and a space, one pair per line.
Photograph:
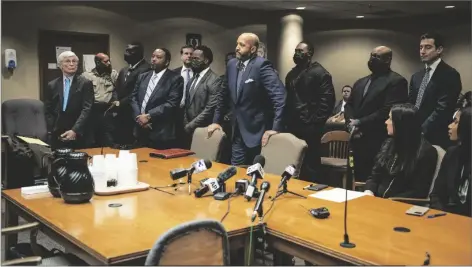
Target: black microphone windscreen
265, 186
208, 164
259, 159
228, 173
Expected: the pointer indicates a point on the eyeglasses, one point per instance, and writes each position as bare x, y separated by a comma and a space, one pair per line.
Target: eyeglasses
73, 61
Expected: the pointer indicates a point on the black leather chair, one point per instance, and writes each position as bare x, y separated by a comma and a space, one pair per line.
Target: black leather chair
24, 117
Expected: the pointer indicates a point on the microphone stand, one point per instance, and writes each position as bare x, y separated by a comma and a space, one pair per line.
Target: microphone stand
189, 181
349, 176
285, 191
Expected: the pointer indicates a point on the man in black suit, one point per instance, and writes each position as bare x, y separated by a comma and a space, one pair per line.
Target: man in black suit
368, 107
256, 97
202, 93
68, 105
155, 101
310, 100
124, 121
434, 91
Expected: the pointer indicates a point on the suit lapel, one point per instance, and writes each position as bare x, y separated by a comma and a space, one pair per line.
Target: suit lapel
373, 88
245, 74
360, 93
158, 85
232, 77
432, 80
60, 89
199, 85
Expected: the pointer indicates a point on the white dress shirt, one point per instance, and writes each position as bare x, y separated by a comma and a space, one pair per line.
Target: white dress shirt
433, 67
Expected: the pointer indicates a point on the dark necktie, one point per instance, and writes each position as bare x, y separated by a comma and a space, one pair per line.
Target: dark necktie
423, 85
241, 68
194, 82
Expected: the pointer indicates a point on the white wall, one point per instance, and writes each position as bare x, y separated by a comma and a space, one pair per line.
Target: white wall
344, 53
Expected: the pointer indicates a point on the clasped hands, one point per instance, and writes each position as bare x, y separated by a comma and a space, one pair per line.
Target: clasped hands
265, 138
144, 121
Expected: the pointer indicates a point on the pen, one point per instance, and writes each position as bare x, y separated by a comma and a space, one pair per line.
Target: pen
436, 215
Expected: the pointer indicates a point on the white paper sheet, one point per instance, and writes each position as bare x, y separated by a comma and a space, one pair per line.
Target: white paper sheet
52, 66
89, 62
60, 49
337, 195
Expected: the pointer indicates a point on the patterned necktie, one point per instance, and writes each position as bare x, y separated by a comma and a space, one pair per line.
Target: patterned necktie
194, 84
423, 85
186, 80
66, 93
150, 89
241, 68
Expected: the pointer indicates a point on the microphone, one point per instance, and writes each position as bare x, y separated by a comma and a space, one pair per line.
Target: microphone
196, 167
214, 184
288, 173
265, 186
256, 171
349, 178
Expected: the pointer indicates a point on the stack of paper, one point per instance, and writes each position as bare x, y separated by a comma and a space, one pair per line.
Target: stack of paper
337, 195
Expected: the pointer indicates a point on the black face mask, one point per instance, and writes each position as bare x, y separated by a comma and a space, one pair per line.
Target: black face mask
132, 58
102, 68
197, 65
377, 66
301, 58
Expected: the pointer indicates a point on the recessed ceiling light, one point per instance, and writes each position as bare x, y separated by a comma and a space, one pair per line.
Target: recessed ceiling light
359, 17
449, 6
301, 7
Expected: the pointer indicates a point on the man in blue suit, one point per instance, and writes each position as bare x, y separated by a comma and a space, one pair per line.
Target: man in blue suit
256, 98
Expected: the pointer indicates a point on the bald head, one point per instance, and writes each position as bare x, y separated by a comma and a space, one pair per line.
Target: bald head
246, 46
380, 59
102, 63
384, 52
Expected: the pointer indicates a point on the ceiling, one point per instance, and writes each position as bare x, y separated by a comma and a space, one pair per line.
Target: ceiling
351, 9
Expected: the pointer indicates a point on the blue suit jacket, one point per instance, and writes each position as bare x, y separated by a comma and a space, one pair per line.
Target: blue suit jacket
260, 103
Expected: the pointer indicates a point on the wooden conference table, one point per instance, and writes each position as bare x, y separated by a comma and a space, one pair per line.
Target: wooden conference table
102, 235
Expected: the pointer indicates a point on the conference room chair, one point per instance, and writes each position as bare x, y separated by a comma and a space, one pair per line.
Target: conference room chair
40, 258
337, 143
24, 117
426, 202
199, 242
281, 150
208, 148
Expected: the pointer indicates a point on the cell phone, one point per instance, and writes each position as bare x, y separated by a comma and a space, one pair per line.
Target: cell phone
317, 187
417, 211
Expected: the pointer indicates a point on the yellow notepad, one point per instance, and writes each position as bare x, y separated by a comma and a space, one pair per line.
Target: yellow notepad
30, 140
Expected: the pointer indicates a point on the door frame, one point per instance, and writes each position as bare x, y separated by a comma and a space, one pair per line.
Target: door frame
42, 32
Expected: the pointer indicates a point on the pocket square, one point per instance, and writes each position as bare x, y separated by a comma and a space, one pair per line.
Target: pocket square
249, 81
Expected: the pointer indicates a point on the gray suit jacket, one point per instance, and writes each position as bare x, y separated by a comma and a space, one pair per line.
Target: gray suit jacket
201, 101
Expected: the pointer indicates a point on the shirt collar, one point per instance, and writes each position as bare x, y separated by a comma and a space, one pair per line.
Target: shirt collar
159, 74
135, 65
64, 77
203, 72
434, 65
184, 69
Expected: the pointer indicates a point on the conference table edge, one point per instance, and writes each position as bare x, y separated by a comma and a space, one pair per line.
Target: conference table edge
328, 256
75, 246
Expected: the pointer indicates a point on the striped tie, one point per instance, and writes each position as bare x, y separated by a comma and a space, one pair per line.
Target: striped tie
423, 85
150, 89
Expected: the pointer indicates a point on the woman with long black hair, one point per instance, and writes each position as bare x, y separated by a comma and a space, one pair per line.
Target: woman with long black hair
452, 191
404, 166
